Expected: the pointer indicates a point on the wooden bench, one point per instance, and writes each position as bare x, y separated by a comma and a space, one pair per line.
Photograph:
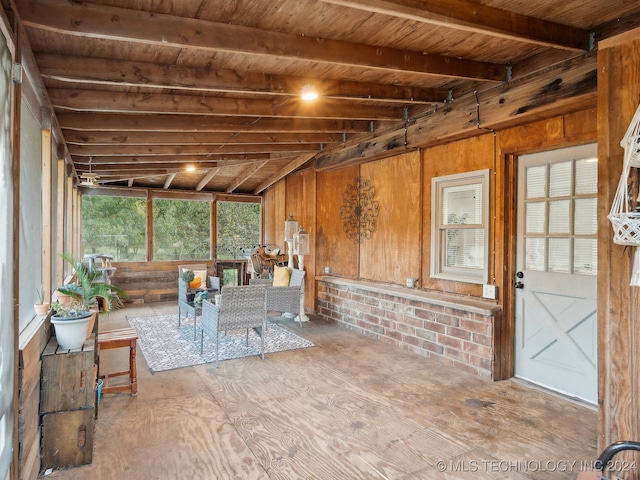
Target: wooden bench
120, 338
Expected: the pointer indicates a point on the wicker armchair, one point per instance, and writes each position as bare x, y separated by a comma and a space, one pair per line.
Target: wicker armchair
186, 306
283, 299
241, 307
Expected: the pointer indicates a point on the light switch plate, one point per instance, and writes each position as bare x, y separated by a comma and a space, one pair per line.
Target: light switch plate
490, 291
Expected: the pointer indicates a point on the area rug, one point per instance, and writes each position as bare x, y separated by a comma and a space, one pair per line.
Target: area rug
166, 346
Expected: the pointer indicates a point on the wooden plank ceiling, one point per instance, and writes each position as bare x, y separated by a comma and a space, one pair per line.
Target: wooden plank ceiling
142, 89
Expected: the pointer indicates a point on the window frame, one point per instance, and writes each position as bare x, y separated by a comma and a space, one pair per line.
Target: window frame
439, 269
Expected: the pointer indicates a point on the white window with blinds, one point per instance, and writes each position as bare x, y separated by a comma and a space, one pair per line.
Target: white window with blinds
460, 227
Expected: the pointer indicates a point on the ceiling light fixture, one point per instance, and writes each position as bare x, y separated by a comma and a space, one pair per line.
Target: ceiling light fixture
190, 168
309, 92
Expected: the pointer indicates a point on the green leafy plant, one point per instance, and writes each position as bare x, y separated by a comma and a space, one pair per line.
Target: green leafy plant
40, 292
86, 290
188, 276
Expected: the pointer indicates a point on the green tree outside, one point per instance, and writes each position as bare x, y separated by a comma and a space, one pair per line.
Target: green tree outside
182, 229
117, 226
114, 225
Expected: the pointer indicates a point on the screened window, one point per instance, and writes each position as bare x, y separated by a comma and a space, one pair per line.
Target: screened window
182, 229
460, 227
116, 226
30, 261
238, 229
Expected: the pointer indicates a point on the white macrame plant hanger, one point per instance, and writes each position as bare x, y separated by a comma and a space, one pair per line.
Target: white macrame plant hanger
625, 210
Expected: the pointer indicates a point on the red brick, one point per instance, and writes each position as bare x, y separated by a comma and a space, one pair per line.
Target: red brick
394, 334
406, 329
481, 339
432, 347
447, 320
450, 341
458, 333
389, 325
434, 327
425, 314
457, 354
477, 349
475, 326
412, 340
426, 334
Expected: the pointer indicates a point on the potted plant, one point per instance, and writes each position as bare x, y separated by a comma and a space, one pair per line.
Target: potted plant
190, 277
41, 307
72, 322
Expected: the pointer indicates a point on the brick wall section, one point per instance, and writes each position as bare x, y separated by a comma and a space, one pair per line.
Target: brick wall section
456, 332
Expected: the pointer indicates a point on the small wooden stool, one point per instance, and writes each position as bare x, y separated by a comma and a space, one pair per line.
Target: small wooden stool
123, 337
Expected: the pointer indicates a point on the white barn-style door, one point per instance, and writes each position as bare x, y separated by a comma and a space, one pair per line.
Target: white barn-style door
556, 280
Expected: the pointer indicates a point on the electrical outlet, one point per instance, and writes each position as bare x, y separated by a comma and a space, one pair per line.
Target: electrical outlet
490, 291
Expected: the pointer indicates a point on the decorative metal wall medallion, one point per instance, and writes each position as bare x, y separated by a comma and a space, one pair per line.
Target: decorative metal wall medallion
359, 210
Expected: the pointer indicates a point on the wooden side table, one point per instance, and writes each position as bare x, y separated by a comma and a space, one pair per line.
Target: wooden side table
120, 338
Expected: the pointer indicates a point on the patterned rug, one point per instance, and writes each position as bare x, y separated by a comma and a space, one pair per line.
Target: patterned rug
166, 346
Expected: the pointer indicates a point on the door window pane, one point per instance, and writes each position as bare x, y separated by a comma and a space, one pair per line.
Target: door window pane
585, 256
560, 179
559, 218
559, 255
585, 216
536, 217
535, 254
586, 176
536, 181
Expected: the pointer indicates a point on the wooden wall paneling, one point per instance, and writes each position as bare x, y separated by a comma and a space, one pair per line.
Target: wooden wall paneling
151, 281
333, 248
273, 207
467, 155
619, 338
30, 345
392, 254
301, 202
581, 125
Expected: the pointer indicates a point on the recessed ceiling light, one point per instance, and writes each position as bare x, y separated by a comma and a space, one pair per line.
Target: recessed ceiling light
190, 168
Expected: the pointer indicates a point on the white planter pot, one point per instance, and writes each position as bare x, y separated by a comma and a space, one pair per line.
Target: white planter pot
71, 332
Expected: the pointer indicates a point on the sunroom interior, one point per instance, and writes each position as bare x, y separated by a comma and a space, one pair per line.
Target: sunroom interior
455, 176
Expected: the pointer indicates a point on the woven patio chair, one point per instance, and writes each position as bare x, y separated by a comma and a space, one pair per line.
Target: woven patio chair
283, 299
186, 306
241, 307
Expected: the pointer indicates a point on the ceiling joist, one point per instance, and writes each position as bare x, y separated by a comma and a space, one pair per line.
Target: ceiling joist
478, 18
120, 73
125, 25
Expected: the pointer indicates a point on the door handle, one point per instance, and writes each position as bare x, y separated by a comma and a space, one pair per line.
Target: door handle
519, 285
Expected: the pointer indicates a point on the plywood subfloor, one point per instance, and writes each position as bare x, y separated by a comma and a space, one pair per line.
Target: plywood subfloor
350, 408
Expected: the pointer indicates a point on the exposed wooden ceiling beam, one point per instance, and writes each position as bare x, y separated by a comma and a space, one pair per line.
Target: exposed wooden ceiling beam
100, 71
113, 23
167, 182
291, 166
245, 175
74, 137
221, 159
122, 102
97, 151
194, 123
476, 17
207, 178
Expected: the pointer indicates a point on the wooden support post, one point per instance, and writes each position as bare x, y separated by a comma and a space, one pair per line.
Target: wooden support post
618, 303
